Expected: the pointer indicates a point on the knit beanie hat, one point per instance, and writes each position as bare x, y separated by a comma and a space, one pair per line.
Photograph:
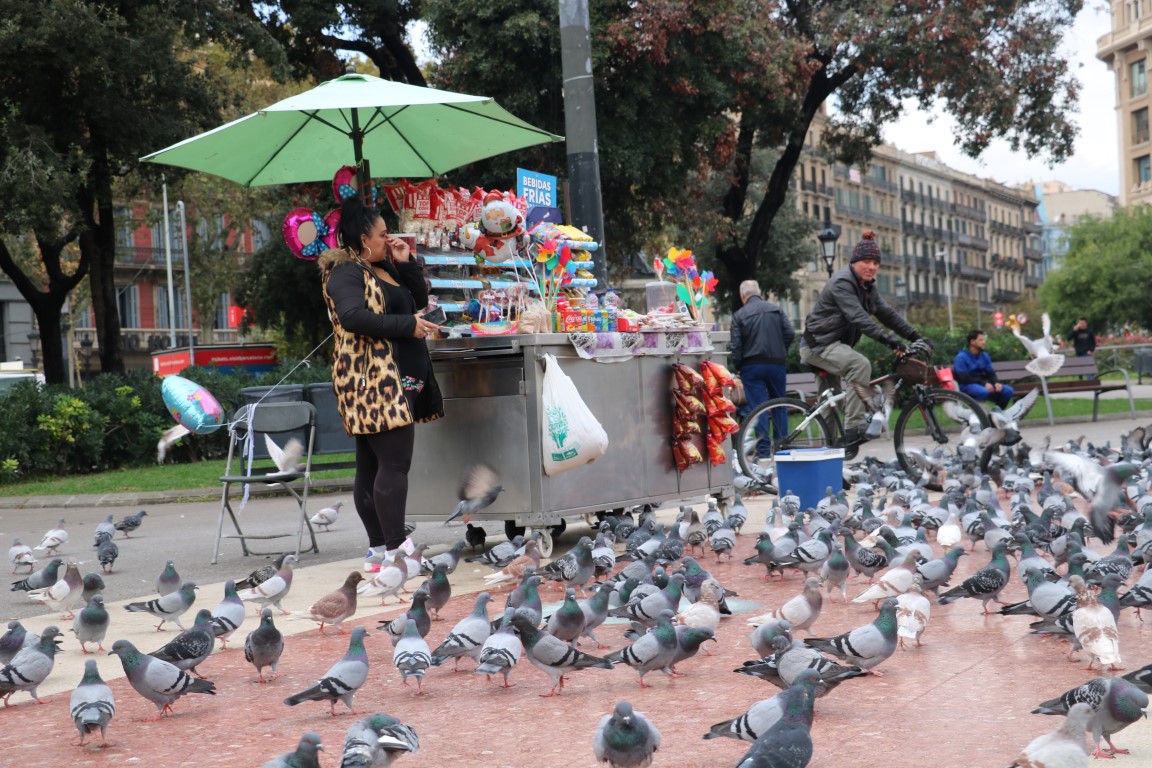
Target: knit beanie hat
866, 248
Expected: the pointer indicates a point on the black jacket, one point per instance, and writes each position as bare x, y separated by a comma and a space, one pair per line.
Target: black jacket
844, 311
761, 333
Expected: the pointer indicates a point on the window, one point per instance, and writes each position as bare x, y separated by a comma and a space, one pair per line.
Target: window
222, 310
1143, 169
1140, 126
128, 305
1138, 78
161, 303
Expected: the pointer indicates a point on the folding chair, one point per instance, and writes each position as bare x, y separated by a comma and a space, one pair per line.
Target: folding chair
249, 426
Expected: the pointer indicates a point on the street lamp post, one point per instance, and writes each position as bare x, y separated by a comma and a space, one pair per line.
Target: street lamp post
947, 287
828, 237
34, 345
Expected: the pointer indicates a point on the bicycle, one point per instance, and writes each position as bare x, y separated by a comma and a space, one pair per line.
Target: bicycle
932, 421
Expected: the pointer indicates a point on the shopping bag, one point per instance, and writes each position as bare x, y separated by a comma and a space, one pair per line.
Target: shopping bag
571, 436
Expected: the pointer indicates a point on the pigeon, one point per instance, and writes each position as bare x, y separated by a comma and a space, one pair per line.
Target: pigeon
375, 740
834, 573
654, 650
64, 595
106, 551
475, 535
567, 623
342, 681
263, 646
286, 459
418, 611
625, 738
439, 590
705, 612
467, 637
877, 401
107, 527
986, 584
789, 659
865, 646
169, 580
526, 597
1064, 747
273, 590
1094, 627
500, 555
168, 608
912, 613
304, 756
694, 533
45, 577
192, 646
762, 637
724, 539
1116, 703
1044, 362
893, 582
92, 704
228, 614
412, 656
552, 656
688, 643
91, 624
21, 556
1005, 429
574, 569
130, 523
501, 650
787, 743
30, 667
92, 584
450, 559
737, 514
16, 638
386, 582
800, 612
326, 518
263, 573
157, 680
1141, 678
336, 607
53, 539
764, 714
595, 610
936, 573
478, 489
603, 556
1103, 486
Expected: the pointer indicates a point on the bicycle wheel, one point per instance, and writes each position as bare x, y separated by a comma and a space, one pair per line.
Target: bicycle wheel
755, 451
932, 434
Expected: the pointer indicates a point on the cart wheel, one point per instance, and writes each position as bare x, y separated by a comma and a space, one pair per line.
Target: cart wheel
545, 544
511, 530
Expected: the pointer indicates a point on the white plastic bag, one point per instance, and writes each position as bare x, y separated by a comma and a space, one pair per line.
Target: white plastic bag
571, 435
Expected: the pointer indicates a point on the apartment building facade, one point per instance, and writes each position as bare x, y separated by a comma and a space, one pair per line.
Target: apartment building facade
1125, 51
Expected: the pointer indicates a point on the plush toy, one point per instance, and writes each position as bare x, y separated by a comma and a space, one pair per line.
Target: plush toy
501, 233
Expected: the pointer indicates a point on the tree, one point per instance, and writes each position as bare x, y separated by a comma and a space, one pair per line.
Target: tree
282, 292
1105, 274
85, 90
686, 87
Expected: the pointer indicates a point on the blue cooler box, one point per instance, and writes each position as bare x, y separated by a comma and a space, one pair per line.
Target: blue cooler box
808, 472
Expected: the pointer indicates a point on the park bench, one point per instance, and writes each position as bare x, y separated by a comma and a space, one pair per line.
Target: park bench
802, 386
1078, 374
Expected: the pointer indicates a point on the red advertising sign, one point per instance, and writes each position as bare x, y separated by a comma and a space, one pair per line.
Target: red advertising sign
235, 316
256, 358
998, 319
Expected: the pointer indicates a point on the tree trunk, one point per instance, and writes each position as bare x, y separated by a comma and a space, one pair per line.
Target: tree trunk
98, 243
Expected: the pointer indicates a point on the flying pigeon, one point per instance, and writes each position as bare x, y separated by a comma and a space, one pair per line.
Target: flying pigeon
1044, 361
92, 704
478, 489
30, 667
286, 459
156, 680
375, 740
168, 608
326, 518
1103, 486
342, 681
263, 646
625, 738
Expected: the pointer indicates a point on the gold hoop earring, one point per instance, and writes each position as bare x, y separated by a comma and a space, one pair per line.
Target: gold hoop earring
369, 249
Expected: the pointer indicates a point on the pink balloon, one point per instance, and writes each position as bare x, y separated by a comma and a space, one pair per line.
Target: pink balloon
333, 221
344, 183
293, 237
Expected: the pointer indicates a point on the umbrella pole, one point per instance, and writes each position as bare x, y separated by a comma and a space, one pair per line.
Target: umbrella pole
363, 174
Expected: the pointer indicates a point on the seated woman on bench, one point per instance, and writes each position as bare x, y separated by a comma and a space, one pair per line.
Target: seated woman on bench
972, 370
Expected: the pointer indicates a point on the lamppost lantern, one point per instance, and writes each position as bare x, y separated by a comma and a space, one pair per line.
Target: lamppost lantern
86, 353
34, 345
828, 237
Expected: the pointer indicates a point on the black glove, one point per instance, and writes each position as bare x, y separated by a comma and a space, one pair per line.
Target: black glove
895, 344
921, 345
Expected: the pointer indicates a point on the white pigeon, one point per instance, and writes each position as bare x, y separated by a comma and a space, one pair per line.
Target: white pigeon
389, 580
21, 556
801, 611
878, 401
53, 539
1094, 627
1044, 361
949, 533
705, 612
168, 439
286, 459
912, 613
1064, 747
327, 516
64, 595
893, 582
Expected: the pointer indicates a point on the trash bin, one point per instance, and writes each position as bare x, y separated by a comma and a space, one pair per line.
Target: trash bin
283, 393
809, 472
1142, 362
331, 436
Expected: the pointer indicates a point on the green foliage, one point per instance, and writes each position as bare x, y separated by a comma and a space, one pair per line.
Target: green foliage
1105, 274
73, 433
284, 293
20, 439
134, 415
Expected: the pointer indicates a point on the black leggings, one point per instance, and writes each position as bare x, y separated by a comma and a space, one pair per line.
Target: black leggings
380, 490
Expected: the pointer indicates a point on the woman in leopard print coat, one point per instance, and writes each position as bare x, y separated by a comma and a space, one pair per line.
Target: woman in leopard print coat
381, 374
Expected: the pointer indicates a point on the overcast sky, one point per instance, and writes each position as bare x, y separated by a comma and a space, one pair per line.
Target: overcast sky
1094, 163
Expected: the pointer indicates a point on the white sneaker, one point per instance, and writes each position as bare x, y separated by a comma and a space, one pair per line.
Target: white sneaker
372, 561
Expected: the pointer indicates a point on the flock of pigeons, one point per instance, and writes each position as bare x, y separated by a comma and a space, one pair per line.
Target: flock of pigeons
653, 577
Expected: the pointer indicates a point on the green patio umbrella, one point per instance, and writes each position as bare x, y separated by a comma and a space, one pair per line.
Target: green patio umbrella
403, 130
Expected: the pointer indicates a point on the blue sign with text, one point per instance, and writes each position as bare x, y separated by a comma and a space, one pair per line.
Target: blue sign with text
537, 189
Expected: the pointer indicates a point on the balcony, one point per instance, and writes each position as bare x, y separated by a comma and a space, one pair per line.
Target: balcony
1033, 281
824, 189
876, 183
139, 256
1005, 296
969, 241
968, 212
1033, 228
1033, 254
976, 273
878, 219
807, 186
1008, 263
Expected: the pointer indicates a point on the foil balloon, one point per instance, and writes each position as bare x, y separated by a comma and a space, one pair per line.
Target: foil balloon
305, 233
332, 221
191, 405
344, 183
501, 219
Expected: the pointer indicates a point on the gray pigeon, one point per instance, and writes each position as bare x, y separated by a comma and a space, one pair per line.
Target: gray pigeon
567, 623
107, 527
1064, 747
30, 667
263, 646
192, 646
106, 551
93, 585
478, 489
306, 754
625, 738
737, 514
376, 740
273, 589
654, 650
467, 637
574, 568
724, 540
595, 610
168, 581
157, 680
91, 624
412, 656
865, 646
986, 584
688, 642
418, 611
603, 556
450, 559
552, 656
228, 614
792, 659
169, 607
130, 523
438, 588
788, 742
45, 577
263, 573
500, 555
92, 705
1116, 704
501, 650
65, 594
342, 681
763, 636
16, 638
764, 714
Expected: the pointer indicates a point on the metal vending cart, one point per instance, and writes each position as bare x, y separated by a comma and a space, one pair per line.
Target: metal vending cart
492, 389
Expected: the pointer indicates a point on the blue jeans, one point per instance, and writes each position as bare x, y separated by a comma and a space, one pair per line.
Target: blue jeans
1003, 398
762, 382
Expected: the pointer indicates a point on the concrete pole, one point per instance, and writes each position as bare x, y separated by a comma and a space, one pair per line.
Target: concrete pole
168, 262
187, 284
580, 129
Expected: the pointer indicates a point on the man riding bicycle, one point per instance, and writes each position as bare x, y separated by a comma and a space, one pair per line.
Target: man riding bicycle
843, 313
